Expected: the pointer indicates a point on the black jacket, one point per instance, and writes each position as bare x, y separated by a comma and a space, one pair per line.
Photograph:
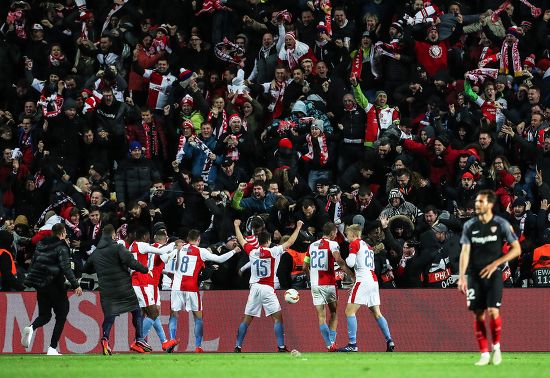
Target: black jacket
111, 262
50, 265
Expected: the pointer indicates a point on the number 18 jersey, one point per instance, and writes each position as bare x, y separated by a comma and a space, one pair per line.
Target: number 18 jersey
364, 261
321, 262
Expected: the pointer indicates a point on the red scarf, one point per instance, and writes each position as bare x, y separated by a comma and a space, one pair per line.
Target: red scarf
218, 132
322, 140
151, 140
232, 151
56, 62
277, 91
326, 7
516, 59
357, 64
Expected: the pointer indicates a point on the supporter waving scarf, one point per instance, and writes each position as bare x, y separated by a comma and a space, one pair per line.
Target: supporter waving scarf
479, 75
223, 127
516, 59
322, 140
207, 162
229, 52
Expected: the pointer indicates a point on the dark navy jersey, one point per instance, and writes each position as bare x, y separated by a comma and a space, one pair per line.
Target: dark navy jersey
486, 240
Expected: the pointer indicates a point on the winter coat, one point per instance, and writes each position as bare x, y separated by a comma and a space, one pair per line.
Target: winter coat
134, 177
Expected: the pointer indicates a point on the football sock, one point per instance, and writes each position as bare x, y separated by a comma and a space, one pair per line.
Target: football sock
496, 326
198, 332
243, 327
332, 335
325, 333
157, 325
481, 335
107, 325
137, 322
173, 327
352, 329
279, 333
147, 324
383, 325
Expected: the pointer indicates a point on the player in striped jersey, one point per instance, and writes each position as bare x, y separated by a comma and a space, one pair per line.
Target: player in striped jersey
264, 262
189, 260
319, 265
365, 290
143, 283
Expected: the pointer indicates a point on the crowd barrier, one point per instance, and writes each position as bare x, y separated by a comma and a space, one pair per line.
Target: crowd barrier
420, 320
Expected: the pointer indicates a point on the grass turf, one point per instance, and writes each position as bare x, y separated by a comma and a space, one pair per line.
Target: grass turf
275, 365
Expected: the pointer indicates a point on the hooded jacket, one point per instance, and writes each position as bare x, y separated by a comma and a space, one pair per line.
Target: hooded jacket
404, 208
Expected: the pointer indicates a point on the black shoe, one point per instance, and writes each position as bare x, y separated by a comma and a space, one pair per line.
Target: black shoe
143, 344
237, 349
390, 346
349, 348
283, 349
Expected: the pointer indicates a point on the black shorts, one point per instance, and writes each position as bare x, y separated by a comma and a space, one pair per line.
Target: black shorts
484, 292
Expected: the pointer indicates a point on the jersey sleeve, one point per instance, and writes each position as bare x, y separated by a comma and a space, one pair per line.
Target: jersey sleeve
277, 251
206, 255
508, 233
168, 256
147, 74
354, 247
248, 248
335, 247
465, 238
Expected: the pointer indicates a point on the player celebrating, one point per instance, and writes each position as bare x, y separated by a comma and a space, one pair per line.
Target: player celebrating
364, 291
319, 265
264, 262
481, 256
143, 283
185, 294
156, 266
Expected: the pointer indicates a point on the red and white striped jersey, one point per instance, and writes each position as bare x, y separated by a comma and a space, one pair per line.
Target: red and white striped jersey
156, 265
361, 259
321, 264
187, 264
264, 263
143, 252
159, 86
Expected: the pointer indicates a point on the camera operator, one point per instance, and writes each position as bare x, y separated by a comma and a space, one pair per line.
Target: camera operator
51, 264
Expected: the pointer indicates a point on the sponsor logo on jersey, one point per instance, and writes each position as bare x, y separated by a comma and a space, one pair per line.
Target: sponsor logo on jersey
484, 239
493, 228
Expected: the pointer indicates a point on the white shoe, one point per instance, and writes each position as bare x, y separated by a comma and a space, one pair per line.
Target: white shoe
484, 359
497, 356
27, 336
53, 352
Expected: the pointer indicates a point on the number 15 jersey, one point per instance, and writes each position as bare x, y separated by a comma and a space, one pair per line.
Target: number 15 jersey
264, 263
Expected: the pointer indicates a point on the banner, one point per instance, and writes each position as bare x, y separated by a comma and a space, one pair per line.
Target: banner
419, 320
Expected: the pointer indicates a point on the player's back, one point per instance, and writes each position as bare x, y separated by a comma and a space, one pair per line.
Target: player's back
364, 261
321, 264
137, 250
264, 263
188, 266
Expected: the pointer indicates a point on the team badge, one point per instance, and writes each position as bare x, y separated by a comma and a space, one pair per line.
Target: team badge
435, 51
493, 229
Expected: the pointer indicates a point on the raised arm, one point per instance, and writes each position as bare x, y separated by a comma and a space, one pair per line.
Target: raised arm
294, 235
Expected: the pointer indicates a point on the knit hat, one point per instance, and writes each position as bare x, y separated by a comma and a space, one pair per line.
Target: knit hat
394, 193
21, 219
520, 201
285, 143
514, 31
299, 106
157, 227
529, 61
187, 100
69, 104
290, 34
135, 145
227, 162
234, 116
253, 241
318, 124
443, 140
360, 220
440, 227
468, 175
322, 28
432, 27
368, 34
162, 28
334, 190
429, 130
397, 25
378, 93
185, 76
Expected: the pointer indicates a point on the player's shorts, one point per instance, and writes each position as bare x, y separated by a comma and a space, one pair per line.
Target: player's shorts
261, 296
185, 300
324, 294
365, 293
145, 295
483, 293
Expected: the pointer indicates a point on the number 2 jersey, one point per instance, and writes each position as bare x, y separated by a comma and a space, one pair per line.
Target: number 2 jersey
361, 259
187, 263
321, 262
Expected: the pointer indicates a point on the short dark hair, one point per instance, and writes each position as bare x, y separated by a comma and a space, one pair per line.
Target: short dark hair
264, 237
490, 194
95, 207
193, 235
141, 232
108, 230
308, 202
58, 229
329, 228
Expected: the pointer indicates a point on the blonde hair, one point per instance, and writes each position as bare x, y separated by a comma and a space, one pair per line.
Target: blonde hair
354, 230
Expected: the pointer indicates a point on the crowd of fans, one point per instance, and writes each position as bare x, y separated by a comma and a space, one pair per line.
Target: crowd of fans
177, 115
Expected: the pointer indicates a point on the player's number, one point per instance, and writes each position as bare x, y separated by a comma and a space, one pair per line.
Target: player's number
318, 259
369, 260
470, 294
261, 268
184, 264
150, 258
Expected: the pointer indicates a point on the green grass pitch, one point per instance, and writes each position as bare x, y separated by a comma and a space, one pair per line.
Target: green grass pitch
274, 365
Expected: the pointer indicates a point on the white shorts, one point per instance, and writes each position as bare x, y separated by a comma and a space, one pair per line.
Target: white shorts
185, 300
365, 293
324, 294
145, 295
261, 296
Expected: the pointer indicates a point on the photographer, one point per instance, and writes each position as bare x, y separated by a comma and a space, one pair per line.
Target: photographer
51, 264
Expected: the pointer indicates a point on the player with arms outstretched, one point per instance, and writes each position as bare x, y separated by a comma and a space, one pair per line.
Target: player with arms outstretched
482, 259
365, 290
319, 265
264, 262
